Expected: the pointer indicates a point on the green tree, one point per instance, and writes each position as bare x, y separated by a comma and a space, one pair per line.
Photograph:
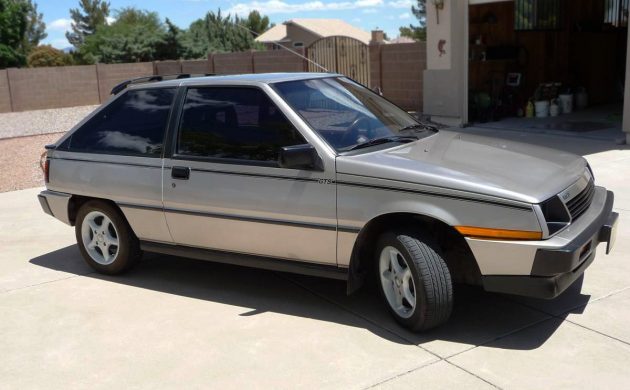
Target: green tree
256, 23
86, 20
215, 33
47, 55
171, 47
13, 26
419, 32
135, 36
35, 28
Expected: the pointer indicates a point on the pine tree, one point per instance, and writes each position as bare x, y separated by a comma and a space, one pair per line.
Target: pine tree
13, 25
35, 28
86, 19
419, 33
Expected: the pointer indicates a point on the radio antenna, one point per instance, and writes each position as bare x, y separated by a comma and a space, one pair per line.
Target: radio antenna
287, 49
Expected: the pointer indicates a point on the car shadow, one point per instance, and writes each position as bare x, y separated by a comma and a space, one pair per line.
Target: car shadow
478, 317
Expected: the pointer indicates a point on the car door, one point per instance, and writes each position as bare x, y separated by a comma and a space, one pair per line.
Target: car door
224, 188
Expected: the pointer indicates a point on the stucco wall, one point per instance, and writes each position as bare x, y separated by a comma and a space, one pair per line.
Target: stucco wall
298, 34
446, 77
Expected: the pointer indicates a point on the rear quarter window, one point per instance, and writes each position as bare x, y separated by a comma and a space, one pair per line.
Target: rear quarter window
134, 124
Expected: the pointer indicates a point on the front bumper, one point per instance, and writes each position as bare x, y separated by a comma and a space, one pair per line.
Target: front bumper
554, 269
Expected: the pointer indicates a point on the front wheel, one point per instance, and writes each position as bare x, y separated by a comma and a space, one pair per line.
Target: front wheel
105, 239
414, 280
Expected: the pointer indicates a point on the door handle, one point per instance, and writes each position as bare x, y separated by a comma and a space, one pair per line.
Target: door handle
180, 173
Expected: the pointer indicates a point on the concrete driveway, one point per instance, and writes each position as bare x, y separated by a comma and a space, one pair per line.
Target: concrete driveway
180, 323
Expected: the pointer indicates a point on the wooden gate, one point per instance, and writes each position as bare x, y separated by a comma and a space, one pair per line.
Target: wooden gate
343, 55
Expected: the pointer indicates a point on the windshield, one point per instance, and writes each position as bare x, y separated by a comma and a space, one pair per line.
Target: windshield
347, 115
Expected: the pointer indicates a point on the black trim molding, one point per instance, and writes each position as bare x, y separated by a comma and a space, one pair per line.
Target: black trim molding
306, 225
258, 175
111, 162
247, 260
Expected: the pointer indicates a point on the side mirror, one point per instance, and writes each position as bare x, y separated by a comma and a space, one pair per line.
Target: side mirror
300, 157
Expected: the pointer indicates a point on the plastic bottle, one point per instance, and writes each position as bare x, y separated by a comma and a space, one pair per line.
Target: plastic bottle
529, 110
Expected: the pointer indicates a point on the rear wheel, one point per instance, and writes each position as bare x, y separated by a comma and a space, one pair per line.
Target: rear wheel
414, 280
105, 239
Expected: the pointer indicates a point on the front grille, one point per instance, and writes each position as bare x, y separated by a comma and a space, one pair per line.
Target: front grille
580, 203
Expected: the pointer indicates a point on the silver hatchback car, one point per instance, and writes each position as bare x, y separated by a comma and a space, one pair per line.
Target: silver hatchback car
316, 174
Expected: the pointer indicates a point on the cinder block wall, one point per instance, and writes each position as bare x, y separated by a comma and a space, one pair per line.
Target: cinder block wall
39, 88
196, 67
232, 63
402, 66
375, 66
167, 67
278, 61
109, 75
397, 69
5, 96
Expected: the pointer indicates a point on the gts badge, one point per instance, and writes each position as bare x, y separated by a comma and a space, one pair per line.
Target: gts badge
325, 181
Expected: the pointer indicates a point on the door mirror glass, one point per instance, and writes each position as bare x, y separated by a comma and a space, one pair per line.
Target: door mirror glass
300, 157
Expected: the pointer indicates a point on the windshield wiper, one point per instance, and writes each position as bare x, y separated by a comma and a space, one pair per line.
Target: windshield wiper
420, 126
384, 140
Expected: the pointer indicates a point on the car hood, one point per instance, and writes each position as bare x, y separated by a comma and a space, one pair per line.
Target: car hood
472, 163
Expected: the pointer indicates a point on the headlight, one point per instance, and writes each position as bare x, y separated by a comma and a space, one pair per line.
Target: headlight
555, 213
590, 170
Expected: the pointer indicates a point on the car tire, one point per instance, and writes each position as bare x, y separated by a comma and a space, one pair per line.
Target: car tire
105, 239
413, 279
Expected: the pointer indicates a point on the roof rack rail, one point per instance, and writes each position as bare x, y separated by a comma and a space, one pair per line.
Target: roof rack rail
150, 79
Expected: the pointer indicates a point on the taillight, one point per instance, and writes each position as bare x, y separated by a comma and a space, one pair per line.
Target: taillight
47, 171
44, 163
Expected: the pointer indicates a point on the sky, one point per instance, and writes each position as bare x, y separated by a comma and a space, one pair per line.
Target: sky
386, 15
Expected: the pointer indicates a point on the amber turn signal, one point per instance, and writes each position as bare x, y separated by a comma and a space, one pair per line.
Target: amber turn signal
498, 234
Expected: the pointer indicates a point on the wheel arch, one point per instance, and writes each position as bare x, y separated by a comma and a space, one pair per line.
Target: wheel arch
77, 201
458, 255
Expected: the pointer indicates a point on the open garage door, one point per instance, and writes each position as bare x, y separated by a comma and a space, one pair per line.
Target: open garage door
565, 58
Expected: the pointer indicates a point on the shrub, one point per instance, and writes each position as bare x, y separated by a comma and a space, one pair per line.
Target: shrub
47, 55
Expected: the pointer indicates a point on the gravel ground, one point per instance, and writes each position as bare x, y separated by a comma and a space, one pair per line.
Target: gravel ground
19, 159
18, 124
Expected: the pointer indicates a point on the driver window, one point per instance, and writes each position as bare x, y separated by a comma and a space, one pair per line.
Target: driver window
236, 123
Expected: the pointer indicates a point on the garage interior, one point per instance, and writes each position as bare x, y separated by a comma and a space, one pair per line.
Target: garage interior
569, 53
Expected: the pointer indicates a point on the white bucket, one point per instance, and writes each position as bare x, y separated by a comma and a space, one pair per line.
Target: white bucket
542, 109
554, 109
566, 103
